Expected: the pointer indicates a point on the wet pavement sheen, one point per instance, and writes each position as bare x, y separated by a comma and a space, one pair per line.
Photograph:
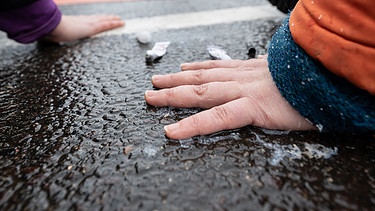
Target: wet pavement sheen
76, 134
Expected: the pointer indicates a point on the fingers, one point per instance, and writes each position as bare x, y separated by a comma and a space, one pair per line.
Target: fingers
73, 28
239, 93
262, 56
228, 116
233, 70
203, 96
106, 22
197, 77
210, 64
236, 114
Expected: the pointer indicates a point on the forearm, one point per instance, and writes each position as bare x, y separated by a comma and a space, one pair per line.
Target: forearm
31, 22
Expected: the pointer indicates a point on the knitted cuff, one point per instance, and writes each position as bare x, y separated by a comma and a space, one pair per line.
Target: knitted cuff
328, 101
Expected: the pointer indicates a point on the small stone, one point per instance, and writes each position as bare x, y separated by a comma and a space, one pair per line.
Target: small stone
143, 37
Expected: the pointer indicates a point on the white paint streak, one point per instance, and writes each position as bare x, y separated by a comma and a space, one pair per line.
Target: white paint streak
202, 18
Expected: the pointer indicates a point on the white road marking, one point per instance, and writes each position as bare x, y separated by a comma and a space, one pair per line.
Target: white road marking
202, 18
186, 20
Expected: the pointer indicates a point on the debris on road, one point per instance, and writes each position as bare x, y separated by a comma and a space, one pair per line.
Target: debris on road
217, 53
128, 149
143, 37
157, 52
251, 53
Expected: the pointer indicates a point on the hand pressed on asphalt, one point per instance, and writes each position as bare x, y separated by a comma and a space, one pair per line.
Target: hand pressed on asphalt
73, 28
235, 93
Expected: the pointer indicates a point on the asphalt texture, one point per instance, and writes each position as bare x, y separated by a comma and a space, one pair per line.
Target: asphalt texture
76, 133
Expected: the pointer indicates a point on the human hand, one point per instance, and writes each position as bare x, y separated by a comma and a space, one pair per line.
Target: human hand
235, 92
72, 28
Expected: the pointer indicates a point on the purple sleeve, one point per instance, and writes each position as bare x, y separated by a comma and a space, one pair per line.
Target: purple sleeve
29, 23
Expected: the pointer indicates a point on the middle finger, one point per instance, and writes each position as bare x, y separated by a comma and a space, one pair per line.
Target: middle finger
203, 96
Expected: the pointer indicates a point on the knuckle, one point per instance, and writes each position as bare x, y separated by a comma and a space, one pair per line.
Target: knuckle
172, 77
212, 64
198, 75
258, 116
196, 123
171, 94
222, 115
200, 90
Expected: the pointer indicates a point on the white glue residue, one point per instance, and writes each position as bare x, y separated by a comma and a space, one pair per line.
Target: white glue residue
292, 151
150, 150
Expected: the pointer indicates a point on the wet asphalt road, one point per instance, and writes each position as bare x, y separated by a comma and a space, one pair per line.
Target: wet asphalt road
76, 134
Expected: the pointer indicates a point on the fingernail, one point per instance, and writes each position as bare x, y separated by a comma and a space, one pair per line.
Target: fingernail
156, 77
149, 93
171, 128
183, 65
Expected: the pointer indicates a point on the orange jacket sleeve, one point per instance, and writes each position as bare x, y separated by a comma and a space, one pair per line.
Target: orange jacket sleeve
341, 35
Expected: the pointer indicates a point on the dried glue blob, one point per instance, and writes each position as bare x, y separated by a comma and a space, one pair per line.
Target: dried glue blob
217, 53
143, 37
157, 52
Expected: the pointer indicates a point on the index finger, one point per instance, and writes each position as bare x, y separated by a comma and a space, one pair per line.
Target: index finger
228, 116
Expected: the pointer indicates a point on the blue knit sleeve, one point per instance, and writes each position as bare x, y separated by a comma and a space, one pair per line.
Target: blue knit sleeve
328, 101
